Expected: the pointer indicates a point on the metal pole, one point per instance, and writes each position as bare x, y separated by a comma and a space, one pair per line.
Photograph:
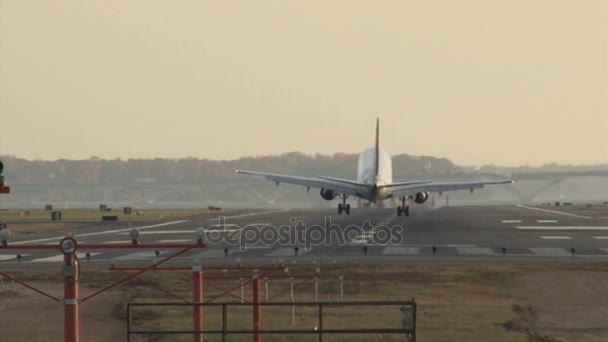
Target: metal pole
128, 322
341, 288
224, 322
242, 290
316, 289
320, 323
197, 298
70, 299
292, 297
257, 325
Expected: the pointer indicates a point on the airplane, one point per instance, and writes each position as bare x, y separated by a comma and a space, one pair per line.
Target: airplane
374, 182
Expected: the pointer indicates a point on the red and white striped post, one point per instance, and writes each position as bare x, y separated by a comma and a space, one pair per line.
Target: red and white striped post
257, 324
197, 297
71, 314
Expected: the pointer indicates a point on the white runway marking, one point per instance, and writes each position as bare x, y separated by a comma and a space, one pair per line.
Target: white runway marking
511, 221
140, 255
401, 251
115, 242
562, 227
176, 241
59, 257
78, 236
475, 251
162, 232
11, 257
601, 237
550, 251
546, 221
214, 253
285, 252
553, 211
250, 214
556, 237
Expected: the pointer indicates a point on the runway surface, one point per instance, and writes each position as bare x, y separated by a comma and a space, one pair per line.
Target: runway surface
458, 234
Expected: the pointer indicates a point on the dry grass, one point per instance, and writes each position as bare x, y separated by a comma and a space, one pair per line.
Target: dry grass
471, 302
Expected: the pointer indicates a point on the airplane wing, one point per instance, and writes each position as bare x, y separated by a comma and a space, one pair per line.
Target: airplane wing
430, 186
342, 186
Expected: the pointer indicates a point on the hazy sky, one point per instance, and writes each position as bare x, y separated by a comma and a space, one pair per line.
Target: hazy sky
507, 82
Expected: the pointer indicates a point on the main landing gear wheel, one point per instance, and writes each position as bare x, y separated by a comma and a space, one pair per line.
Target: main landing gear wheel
403, 209
343, 207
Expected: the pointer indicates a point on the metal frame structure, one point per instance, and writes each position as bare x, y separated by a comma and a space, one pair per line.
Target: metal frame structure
408, 314
71, 275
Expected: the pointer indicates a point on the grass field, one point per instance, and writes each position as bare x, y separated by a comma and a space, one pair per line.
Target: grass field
456, 303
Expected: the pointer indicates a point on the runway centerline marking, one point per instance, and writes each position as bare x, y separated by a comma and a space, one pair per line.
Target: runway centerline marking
511, 221
556, 237
553, 211
561, 227
546, 221
601, 237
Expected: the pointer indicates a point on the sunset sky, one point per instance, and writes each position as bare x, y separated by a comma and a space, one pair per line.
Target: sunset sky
507, 82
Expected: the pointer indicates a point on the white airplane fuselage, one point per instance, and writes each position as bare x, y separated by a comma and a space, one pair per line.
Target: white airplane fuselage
366, 173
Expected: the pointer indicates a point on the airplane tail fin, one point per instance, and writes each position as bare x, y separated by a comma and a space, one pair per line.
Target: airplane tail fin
377, 156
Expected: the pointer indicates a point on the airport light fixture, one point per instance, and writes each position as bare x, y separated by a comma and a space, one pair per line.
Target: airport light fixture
200, 234
68, 246
134, 234
5, 233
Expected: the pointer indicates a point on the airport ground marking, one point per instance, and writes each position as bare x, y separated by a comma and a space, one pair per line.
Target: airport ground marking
105, 232
561, 228
553, 211
556, 237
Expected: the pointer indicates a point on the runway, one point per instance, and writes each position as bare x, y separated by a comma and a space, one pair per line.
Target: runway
449, 234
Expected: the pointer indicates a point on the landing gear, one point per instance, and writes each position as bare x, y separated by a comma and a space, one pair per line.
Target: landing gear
343, 207
403, 209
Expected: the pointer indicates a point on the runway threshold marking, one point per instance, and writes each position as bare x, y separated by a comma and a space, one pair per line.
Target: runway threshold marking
556, 237
561, 227
553, 211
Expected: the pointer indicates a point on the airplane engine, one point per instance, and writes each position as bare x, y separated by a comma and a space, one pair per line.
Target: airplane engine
327, 194
421, 197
